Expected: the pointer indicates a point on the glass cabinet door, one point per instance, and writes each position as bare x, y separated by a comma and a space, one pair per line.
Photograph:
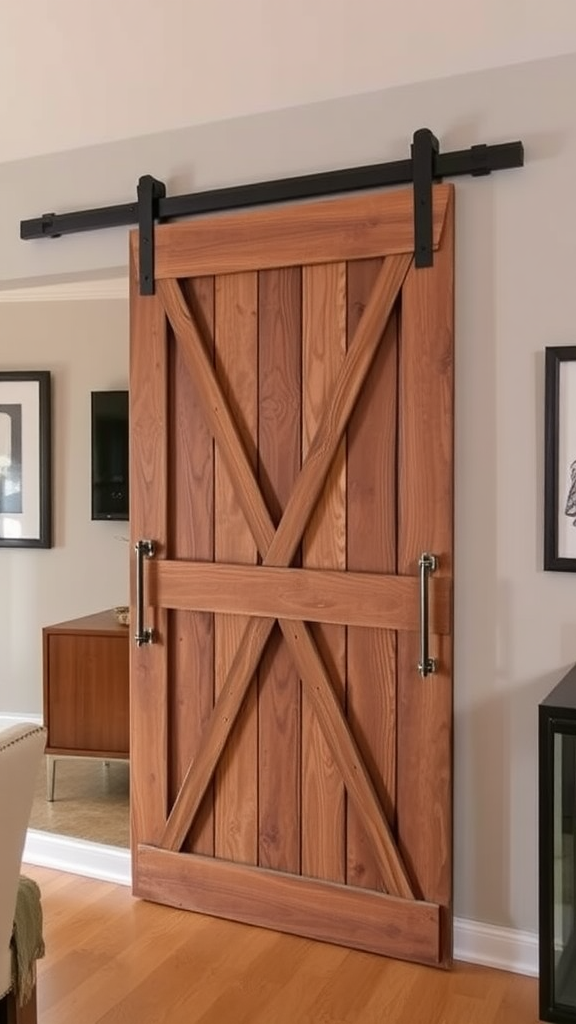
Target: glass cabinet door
564, 870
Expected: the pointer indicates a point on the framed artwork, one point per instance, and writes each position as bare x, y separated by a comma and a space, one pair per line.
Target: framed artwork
25, 460
560, 460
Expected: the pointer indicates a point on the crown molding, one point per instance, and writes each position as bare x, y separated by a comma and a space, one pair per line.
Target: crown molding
69, 291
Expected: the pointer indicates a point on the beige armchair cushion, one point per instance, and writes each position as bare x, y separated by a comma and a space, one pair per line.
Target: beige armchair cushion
21, 749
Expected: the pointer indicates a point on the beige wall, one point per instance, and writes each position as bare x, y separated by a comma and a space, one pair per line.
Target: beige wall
85, 346
76, 74
516, 268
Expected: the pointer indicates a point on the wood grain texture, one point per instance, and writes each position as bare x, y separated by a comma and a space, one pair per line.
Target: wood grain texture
337, 410
314, 908
371, 548
354, 227
112, 958
344, 754
219, 418
226, 710
192, 792
86, 692
275, 527
236, 363
323, 546
191, 509
315, 595
300, 505
424, 805
280, 547
149, 429
279, 455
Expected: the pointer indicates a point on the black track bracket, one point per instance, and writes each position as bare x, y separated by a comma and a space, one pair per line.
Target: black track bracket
425, 148
150, 192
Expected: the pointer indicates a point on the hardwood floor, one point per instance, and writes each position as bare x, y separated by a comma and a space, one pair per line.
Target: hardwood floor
112, 959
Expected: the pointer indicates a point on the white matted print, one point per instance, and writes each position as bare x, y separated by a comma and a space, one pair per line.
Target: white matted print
560, 453
567, 461
25, 448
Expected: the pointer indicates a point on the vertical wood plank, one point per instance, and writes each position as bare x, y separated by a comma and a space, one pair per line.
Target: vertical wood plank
279, 448
371, 546
324, 546
426, 384
148, 519
236, 335
191, 504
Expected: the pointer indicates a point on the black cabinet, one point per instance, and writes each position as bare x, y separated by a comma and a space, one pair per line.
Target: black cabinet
557, 843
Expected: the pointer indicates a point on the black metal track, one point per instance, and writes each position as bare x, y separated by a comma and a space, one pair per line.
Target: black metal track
477, 160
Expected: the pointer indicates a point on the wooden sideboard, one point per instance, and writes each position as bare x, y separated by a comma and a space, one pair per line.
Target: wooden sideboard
86, 687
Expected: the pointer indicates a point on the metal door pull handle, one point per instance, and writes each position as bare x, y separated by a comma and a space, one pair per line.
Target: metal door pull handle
427, 563
144, 634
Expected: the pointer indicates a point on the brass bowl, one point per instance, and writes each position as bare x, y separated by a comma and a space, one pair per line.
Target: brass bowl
122, 613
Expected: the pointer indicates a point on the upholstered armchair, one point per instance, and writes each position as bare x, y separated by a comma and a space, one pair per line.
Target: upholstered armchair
21, 749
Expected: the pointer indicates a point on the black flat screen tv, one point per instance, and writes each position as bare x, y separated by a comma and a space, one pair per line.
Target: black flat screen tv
110, 493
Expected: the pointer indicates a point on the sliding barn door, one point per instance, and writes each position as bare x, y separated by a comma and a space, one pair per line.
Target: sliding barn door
291, 419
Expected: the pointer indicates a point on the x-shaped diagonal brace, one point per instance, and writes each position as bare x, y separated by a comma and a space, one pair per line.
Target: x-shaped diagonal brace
277, 548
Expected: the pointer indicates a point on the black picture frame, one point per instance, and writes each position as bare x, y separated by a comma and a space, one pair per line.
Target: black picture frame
560, 459
25, 459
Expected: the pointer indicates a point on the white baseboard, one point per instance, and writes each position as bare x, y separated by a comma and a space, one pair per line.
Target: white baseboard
474, 941
493, 946
93, 860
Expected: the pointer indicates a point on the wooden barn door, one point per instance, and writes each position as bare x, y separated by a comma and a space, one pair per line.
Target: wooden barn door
291, 420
